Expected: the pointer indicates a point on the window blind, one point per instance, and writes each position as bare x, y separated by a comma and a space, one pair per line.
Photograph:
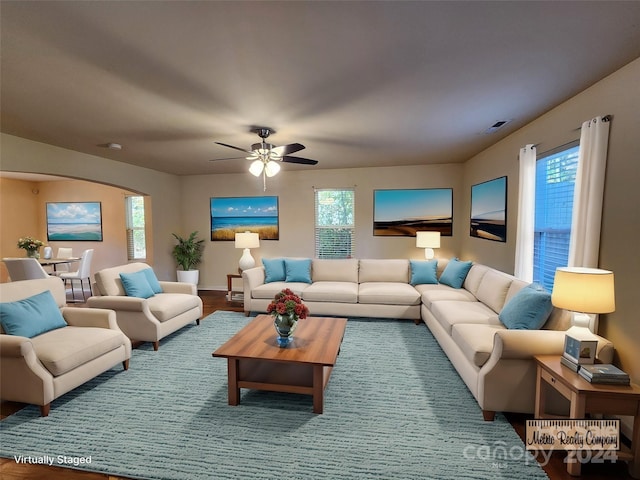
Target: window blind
334, 223
555, 182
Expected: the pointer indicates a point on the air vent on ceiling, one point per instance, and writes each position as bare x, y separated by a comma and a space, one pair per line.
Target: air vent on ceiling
496, 126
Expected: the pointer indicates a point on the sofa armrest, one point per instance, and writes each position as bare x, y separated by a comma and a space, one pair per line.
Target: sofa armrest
90, 317
252, 278
523, 344
118, 302
179, 287
15, 346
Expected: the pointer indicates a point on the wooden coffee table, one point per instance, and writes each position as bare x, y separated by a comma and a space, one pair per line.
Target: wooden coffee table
255, 361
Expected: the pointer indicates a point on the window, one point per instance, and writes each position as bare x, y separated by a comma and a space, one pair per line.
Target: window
335, 223
555, 181
136, 242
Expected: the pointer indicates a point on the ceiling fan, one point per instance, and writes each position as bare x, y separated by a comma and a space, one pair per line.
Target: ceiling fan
267, 157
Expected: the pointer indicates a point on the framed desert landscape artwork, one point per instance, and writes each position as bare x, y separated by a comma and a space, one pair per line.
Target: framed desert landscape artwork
405, 212
489, 210
231, 215
74, 221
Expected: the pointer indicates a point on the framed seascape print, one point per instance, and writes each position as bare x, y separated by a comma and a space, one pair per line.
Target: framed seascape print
74, 221
231, 215
489, 210
405, 212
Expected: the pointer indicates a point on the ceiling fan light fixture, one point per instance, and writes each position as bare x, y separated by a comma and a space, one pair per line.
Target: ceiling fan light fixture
256, 168
271, 168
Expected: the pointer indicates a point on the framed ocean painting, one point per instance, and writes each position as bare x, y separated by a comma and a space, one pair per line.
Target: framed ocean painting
405, 212
489, 210
231, 215
74, 221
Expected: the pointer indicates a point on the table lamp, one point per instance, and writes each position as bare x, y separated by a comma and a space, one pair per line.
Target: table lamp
584, 291
428, 241
247, 240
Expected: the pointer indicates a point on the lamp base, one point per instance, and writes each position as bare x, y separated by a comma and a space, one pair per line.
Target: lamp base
429, 253
585, 320
246, 261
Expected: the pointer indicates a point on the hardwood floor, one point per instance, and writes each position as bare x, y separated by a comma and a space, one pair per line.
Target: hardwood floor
216, 300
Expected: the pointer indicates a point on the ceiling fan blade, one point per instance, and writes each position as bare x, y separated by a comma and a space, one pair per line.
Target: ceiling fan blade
287, 149
228, 158
231, 146
303, 161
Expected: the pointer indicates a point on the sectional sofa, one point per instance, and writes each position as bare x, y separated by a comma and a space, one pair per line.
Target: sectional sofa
480, 316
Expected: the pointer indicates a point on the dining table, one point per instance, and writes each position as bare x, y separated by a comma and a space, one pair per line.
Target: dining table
54, 262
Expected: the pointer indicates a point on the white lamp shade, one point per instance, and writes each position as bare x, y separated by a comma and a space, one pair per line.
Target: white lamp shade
428, 239
256, 167
586, 290
272, 168
247, 240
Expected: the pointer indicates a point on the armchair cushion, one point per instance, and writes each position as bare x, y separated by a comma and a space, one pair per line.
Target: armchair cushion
167, 306
136, 284
59, 350
31, 316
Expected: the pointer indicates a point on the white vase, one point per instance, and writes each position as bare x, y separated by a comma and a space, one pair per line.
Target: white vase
188, 276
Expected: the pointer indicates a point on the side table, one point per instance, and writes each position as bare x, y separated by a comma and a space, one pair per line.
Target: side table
230, 290
586, 397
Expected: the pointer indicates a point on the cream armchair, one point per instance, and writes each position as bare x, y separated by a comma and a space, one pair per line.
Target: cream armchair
40, 369
146, 319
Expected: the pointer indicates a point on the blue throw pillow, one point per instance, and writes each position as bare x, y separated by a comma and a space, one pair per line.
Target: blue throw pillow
274, 270
528, 309
298, 270
31, 316
150, 275
136, 284
423, 271
455, 272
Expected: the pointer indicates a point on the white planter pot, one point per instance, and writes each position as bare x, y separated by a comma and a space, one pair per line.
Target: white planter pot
188, 276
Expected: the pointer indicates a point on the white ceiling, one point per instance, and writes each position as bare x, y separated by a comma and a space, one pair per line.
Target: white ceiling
358, 83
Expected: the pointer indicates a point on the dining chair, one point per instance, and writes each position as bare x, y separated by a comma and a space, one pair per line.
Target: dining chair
83, 273
24, 269
63, 252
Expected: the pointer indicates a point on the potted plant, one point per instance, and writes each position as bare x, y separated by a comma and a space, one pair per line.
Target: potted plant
188, 255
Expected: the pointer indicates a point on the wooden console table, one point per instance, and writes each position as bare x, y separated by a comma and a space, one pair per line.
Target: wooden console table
585, 398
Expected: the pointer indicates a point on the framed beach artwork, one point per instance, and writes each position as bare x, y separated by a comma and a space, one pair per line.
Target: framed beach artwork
405, 212
489, 210
231, 215
74, 221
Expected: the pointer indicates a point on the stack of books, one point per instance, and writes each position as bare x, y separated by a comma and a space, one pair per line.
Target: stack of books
568, 362
604, 373
577, 352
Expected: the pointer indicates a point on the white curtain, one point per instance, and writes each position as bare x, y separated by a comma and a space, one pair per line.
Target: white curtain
526, 214
584, 245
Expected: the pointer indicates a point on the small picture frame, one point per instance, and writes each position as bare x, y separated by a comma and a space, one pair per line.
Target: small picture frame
582, 352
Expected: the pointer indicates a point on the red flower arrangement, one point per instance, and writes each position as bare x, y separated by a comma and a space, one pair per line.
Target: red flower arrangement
288, 303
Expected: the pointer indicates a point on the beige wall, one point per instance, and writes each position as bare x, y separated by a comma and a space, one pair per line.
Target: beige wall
295, 192
617, 95
21, 155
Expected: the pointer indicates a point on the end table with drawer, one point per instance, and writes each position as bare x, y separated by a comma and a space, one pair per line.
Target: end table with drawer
589, 398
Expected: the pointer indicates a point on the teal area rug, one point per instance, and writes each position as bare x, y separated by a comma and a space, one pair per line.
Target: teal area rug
394, 409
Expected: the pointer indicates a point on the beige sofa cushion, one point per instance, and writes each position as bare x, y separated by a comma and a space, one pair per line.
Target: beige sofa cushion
340, 292
474, 277
166, 306
493, 289
388, 293
59, 351
451, 312
475, 341
384, 270
433, 293
330, 270
269, 290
